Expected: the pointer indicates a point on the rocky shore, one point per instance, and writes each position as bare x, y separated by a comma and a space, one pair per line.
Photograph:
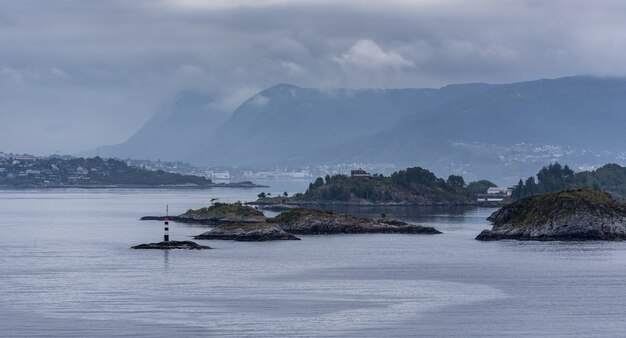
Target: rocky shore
569, 215
243, 223
184, 245
302, 221
292, 203
248, 232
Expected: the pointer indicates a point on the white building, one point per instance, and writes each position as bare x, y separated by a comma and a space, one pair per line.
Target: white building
218, 175
499, 191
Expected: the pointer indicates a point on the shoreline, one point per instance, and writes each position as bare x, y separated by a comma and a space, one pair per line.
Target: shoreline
358, 204
132, 186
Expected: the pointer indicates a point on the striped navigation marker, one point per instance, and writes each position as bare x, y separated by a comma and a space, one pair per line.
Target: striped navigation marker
166, 236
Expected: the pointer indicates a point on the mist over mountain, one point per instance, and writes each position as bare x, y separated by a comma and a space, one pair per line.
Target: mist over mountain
281, 124
501, 132
173, 130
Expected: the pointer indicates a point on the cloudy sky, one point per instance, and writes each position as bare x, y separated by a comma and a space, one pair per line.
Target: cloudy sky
75, 74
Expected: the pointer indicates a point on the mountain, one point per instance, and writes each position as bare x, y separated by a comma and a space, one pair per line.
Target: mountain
285, 122
505, 131
499, 132
171, 133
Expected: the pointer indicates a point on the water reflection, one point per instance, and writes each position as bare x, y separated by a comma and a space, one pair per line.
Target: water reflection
166, 259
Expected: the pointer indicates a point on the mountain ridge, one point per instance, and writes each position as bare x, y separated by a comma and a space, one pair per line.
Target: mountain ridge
479, 130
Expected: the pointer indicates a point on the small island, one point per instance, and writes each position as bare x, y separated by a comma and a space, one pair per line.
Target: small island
239, 222
216, 214
569, 215
301, 221
410, 187
169, 245
77, 172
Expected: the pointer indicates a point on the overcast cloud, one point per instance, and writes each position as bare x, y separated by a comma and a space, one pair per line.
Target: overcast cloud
75, 74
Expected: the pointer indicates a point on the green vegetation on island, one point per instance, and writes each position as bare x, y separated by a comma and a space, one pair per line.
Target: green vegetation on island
416, 186
305, 221
302, 221
248, 232
68, 172
243, 223
216, 214
480, 187
554, 177
225, 210
65, 171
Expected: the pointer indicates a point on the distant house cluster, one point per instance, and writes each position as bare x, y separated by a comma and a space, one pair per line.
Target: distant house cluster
278, 173
30, 170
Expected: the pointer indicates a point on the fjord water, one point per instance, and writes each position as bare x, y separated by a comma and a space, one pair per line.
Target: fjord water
66, 270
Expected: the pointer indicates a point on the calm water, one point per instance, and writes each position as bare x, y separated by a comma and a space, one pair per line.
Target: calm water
66, 270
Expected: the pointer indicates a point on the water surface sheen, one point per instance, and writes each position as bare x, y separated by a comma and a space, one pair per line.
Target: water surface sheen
66, 270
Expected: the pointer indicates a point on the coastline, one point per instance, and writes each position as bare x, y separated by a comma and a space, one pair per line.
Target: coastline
358, 204
133, 186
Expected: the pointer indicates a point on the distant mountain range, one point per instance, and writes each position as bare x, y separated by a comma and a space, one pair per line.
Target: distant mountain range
501, 132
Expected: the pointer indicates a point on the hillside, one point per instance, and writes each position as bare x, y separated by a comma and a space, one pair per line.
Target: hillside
284, 123
412, 186
86, 172
172, 132
505, 131
497, 131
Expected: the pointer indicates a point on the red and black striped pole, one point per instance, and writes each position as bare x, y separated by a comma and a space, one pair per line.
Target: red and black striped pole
166, 236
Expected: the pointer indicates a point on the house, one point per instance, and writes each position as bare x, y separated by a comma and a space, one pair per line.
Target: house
360, 173
500, 191
81, 171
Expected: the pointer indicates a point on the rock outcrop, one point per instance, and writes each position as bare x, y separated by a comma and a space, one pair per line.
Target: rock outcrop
218, 213
243, 223
568, 215
248, 232
185, 245
302, 221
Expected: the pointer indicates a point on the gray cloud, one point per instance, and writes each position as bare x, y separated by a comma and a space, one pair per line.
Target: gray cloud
101, 68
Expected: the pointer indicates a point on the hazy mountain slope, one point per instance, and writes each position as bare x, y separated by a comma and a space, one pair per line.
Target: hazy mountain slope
505, 130
582, 111
500, 132
172, 132
283, 122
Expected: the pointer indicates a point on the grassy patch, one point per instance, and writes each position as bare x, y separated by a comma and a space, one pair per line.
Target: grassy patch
244, 226
225, 209
561, 204
300, 213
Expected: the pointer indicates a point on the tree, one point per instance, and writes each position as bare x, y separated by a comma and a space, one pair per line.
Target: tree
530, 187
261, 195
318, 182
285, 194
480, 187
555, 177
518, 191
456, 181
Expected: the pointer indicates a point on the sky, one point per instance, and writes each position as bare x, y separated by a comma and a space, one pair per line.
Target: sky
76, 74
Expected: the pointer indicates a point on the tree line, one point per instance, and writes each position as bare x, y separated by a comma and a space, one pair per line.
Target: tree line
610, 178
